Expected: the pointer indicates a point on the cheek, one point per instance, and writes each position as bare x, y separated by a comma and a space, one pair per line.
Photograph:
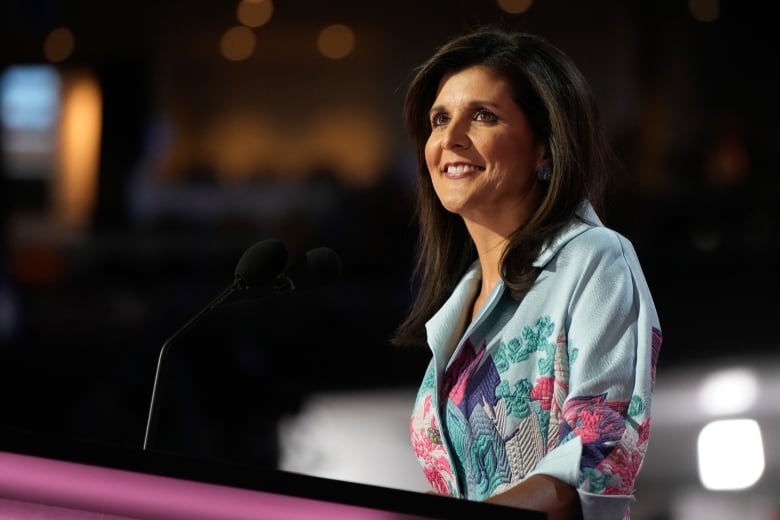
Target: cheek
511, 154
431, 156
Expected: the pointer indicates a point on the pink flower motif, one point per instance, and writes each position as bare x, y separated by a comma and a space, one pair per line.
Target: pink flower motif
625, 464
437, 481
543, 391
594, 419
427, 405
435, 465
427, 446
644, 432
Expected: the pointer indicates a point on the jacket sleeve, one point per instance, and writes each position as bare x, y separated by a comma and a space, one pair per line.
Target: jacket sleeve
613, 338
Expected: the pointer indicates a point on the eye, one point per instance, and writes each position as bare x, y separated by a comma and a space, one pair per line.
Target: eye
439, 119
485, 116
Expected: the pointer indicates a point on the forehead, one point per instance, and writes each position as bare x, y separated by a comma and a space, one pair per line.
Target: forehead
476, 81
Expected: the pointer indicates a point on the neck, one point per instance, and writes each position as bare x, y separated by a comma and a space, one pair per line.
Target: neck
489, 250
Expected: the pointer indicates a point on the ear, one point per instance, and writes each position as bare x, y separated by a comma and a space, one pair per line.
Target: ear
541, 154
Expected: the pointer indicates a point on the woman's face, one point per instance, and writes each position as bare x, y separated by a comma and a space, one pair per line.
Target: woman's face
482, 155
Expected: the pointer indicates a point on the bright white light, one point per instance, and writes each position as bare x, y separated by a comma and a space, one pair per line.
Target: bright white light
728, 391
731, 454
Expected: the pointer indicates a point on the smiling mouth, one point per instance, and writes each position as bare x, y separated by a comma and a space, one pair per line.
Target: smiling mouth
459, 170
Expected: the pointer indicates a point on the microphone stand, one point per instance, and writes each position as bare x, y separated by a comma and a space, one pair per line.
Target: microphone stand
151, 422
314, 268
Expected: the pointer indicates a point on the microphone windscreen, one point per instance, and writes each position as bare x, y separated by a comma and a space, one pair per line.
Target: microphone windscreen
319, 266
262, 262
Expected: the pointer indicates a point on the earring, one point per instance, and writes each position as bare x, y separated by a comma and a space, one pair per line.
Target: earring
544, 172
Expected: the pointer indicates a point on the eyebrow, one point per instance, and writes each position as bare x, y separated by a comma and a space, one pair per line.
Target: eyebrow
472, 104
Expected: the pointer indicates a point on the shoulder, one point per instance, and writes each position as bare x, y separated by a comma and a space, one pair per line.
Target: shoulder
598, 241
586, 240
597, 255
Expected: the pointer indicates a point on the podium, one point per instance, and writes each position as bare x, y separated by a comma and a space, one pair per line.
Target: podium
47, 478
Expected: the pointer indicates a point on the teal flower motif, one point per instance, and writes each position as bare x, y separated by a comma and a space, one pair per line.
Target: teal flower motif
516, 400
500, 358
547, 363
427, 382
597, 480
502, 390
517, 351
637, 406
536, 340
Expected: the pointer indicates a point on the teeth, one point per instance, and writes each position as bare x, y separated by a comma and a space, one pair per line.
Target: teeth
462, 168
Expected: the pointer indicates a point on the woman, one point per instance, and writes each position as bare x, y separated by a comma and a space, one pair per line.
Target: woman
543, 333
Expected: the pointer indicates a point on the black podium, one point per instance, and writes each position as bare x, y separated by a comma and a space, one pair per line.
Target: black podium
66, 479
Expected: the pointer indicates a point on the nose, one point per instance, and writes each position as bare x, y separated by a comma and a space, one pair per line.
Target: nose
455, 136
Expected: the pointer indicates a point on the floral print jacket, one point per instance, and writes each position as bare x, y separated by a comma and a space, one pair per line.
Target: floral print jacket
558, 383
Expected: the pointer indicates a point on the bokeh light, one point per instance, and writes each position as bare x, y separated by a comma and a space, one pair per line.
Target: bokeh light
59, 44
730, 454
704, 10
336, 41
238, 43
514, 6
255, 13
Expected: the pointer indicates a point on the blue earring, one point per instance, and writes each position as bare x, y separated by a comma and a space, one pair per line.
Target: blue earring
544, 172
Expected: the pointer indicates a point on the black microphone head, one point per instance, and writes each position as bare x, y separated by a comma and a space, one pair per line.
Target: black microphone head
319, 266
262, 262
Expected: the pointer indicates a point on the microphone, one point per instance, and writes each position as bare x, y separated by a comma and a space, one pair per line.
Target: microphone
260, 263
317, 267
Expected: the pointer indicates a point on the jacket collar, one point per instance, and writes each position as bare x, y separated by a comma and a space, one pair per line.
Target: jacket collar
445, 326
584, 219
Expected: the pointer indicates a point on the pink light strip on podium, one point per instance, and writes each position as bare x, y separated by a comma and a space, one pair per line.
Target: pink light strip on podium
96, 489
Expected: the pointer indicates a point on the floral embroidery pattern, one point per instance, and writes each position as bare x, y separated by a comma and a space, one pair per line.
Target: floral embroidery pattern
454, 383
488, 458
517, 402
530, 390
428, 447
598, 423
499, 429
543, 392
520, 349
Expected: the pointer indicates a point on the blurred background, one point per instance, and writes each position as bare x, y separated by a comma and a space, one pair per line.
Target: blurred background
146, 145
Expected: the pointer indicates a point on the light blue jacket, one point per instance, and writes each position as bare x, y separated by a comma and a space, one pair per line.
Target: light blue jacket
558, 383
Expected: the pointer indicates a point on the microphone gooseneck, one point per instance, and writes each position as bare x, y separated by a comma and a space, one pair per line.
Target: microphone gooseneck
259, 264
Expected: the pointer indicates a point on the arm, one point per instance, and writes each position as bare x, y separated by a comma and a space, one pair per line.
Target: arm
542, 493
613, 340
605, 348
